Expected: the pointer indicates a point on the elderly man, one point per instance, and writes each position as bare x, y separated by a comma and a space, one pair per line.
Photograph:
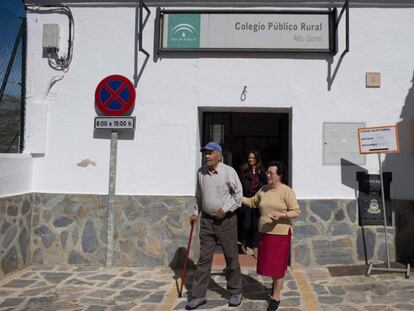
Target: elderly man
218, 195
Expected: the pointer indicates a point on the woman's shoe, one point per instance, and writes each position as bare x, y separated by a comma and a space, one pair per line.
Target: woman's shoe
273, 305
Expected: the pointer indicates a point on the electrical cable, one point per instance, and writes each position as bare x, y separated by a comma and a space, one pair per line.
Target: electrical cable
60, 63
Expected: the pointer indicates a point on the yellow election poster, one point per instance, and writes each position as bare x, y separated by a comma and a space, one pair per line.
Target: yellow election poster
379, 139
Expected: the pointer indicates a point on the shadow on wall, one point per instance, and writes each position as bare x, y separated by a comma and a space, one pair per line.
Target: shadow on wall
402, 167
348, 174
349, 178
402, 164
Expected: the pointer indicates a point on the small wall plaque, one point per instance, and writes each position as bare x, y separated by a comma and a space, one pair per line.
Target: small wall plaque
373, 79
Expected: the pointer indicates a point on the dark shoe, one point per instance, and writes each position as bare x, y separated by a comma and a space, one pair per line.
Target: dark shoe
195, 303
235, 300
273, 305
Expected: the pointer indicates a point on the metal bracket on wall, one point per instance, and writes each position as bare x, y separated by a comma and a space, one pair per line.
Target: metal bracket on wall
332, 72
139, 29
345, 9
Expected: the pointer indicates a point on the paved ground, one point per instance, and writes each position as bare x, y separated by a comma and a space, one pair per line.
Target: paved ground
122, 288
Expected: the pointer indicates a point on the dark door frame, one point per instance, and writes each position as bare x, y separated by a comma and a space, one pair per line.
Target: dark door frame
288, 111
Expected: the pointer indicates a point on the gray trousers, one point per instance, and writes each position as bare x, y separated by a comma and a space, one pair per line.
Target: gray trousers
211, 231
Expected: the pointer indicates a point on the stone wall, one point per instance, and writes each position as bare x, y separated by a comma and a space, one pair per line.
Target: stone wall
15, 228
327, 233
72, 229
69, 229
153, 230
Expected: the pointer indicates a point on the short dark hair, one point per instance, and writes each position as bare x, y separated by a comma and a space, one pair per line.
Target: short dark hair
280, 168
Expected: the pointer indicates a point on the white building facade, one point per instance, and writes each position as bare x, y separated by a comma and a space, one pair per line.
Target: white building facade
303, 108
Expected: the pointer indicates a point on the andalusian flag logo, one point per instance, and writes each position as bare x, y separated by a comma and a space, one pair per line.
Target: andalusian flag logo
184, 31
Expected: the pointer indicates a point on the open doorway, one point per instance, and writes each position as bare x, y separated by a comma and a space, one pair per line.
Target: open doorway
238, 132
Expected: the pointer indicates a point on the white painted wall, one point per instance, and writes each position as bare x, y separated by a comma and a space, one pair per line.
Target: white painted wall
15, 174
163, 156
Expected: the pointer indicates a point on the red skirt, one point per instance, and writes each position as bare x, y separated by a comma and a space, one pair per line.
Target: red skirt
273, 256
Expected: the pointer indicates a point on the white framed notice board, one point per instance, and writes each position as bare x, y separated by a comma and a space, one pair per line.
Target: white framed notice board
340, 141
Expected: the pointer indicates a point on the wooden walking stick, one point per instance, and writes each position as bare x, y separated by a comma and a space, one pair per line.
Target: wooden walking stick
182, 276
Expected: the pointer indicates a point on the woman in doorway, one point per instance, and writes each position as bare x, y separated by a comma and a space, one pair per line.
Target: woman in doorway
253, 177
277, 204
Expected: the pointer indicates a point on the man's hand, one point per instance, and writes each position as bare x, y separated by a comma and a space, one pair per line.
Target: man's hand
193, 218
220, 214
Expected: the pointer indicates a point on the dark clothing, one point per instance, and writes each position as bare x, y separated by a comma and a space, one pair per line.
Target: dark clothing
248, 226
246, 181
248, 218
211, 231
254, 183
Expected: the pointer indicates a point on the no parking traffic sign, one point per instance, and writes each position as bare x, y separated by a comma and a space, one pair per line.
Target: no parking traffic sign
115, 96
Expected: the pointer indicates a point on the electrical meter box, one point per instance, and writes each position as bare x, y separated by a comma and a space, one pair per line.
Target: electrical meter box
370, 198
50, 36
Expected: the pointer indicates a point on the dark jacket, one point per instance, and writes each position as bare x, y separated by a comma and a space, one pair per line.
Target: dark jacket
246, 181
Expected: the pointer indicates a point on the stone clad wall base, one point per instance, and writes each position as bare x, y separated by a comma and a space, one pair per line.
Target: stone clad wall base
15, 228
42, 228
327, 233
69, 229
152, 230
72, 229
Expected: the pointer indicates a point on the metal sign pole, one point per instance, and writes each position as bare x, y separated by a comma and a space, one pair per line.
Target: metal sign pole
388, 263
111, 196
114, 116
387, 249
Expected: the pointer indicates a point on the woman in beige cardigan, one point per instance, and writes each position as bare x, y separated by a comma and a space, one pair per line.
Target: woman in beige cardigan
277, 204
